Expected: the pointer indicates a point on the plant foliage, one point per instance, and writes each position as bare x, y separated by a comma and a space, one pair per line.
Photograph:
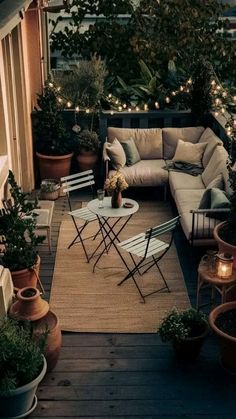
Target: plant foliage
17, 230
51, 134
178, 325
20, 355
87, 141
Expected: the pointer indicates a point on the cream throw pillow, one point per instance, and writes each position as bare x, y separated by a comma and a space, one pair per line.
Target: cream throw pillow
189, 153
115, 153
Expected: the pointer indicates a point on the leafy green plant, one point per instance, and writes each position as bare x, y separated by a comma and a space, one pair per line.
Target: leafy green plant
178, 325
20, 355
51, 134
87, 141
17, 229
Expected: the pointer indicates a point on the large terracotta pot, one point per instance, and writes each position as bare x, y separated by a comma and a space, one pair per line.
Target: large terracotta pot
54, 167
189, 348
87, 160
49, 322
225, 247
227, 343
26, 277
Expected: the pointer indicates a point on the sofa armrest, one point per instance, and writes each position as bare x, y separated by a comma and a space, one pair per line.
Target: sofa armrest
202, 225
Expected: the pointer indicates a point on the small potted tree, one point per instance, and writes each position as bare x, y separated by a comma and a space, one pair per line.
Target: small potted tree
22, 367
186, 330
86, 146
18, 239
54, 144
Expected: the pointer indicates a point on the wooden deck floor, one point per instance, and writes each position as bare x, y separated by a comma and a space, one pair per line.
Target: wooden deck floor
132, 375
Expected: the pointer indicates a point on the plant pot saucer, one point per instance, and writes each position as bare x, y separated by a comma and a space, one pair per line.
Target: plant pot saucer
23, 415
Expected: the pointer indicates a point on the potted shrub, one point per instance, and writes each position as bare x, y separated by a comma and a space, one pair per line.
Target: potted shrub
54, 144
18, 239
49, 189
222, 320
86, 146
186, 330
22, 367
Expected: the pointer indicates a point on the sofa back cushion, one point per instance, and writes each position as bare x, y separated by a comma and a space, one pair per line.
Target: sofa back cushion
189, 153
172, 135
148, 141
115, 153
216, 165
209, 137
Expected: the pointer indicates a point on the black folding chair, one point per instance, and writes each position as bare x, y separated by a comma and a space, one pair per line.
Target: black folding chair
146, 246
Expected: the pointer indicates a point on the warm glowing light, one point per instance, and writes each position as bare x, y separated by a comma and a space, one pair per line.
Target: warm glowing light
145, 107
137, 108
225, 265
58, 88
120, 108
117, 101
50, 84
223, 110
181, 88
213, 83
173, 93
189, 81
110, 95
69, 104
216, 113
59, 100
157, 106
234, 98
77, 108
129, 109
124, 105
112, 112
167, 99
87, 110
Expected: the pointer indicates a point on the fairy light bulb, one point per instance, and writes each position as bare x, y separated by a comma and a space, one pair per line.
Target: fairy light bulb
213, 83
77, 108
167, 99
145, 107
234, 98
223, 110
137, 108
117, 101
87, 110
189, 81
50, 84
129, 109
216, 114
157, 105
181, 88
173, 93
124, 105
224, 94
110, 95
58, 88
112, 112
69, 104
59, 100
120, 108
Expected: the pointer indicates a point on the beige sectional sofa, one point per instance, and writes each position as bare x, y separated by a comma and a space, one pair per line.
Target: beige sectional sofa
156, 149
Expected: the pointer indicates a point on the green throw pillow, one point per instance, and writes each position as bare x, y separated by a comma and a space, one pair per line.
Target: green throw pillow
131, 152
219, 199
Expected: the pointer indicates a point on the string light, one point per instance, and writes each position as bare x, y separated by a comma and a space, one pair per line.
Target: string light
167, 99
87, 110
157, 106
69, 104
77, 108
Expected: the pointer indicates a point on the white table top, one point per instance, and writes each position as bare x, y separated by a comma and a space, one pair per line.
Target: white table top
108, 211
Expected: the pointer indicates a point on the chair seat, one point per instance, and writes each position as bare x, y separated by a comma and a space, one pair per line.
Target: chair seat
137, 246
84, 214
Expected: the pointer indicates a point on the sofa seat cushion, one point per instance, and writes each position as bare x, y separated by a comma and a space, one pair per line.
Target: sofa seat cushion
145, 173
172, 135
187, 200
178, 180
148, 141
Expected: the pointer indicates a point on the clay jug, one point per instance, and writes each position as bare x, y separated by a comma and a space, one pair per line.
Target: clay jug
29, 305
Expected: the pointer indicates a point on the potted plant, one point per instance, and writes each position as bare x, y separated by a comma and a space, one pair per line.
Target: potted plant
49, 189
222, 320
22, 367
54, 144
18, 239
86, 146
186, 330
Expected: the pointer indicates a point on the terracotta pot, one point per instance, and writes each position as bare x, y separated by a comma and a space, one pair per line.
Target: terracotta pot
225, 247
116, 199
189, 348
49, 322
54, 167
29, 305
87, 160
26, 277
227, 343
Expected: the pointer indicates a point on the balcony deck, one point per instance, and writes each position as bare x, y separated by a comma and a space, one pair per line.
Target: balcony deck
132, 375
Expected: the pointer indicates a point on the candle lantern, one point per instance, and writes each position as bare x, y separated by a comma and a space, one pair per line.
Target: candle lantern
225, 265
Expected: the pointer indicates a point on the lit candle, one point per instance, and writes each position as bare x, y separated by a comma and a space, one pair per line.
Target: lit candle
225, 265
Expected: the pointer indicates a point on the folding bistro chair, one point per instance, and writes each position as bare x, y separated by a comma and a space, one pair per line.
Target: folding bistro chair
146, 246
72, 183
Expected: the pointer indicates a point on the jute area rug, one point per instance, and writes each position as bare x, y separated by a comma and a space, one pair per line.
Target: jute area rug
92, 302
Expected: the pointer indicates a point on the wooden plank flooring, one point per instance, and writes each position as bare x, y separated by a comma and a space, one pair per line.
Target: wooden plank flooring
132, 375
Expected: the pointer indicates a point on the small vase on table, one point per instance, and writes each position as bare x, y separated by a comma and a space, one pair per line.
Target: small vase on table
116, 199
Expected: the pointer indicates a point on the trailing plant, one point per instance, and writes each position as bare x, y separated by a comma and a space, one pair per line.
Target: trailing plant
20, 355
178, 325
51, 133
17, 229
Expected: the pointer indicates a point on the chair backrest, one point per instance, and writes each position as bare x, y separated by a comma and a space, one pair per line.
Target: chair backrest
77, 181
168, 226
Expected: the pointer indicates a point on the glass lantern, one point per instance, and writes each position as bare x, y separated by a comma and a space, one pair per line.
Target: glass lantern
225, 265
